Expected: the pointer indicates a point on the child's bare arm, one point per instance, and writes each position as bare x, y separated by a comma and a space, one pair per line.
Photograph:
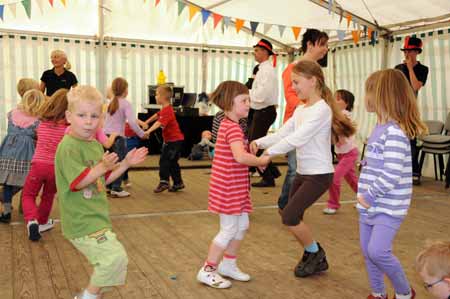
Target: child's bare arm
244, 157
135, 156
110, 141
152, 118
154, 127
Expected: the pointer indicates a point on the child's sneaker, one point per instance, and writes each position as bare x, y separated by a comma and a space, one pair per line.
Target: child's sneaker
161, 187
231, 270
329, 211
176, 187
212, 278
121, 193
311, 263
33, 230
412, 296
5, 217
48, 226
371, 296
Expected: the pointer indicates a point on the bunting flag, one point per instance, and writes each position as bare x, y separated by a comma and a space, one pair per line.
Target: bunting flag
27, 5
341, 35
341, 16
157, 2
2, 7
205, 16
239, 23
181, 6
41, 5
281, 29
356, 34
330, 4
365, 30
296, 31
12, 8
63, 2
349, 19
51, 2
169, 4
217, 19
369, 33
193, 10
373, 39
267, 28
226, 21
253, 26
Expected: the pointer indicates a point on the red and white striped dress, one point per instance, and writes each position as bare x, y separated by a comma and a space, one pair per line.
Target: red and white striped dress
229, 185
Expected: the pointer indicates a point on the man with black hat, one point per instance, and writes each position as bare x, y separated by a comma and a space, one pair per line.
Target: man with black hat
417, 74
263, 101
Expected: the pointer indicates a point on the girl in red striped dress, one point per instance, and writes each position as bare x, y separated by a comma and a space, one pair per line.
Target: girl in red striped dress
229, 187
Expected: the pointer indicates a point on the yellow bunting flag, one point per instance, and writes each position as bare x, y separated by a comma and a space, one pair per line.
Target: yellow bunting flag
349, 19
193, 10
239, 23
356, 34
63, 2
296, 31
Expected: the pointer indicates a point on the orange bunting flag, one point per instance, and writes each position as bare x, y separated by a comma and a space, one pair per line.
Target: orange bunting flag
217, 19
296, 31
239, 24
193, 10
157, 2
51, 2
349, 19
369, 32
356, 34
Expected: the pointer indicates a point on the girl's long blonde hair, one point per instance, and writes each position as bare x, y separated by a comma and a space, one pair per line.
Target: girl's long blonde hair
392, 98
118, 87
31, 102
340, 125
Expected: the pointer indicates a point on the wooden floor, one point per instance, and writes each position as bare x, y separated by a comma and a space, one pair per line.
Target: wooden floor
167, 237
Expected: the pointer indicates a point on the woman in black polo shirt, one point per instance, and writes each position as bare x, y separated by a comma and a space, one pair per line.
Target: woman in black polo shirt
59, 76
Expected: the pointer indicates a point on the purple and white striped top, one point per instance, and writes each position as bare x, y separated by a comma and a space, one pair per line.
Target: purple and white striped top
385, 181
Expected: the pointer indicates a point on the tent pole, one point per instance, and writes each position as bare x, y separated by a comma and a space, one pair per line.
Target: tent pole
101, 81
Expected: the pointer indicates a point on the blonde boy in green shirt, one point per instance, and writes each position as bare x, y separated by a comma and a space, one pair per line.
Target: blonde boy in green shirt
82, 171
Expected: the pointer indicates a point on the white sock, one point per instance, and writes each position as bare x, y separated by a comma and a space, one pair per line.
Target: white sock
400, 296
87, 295
379, 295
229, 261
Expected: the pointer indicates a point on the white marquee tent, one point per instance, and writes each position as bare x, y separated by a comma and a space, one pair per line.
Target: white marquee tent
135, 39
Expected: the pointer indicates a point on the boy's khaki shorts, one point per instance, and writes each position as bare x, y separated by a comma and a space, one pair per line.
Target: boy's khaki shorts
107, 255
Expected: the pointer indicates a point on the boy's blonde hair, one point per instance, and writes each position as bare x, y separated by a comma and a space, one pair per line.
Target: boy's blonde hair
166, 90
225, 93
63, 54
26, 84
434, 260
83, 93
394, 99
32, 101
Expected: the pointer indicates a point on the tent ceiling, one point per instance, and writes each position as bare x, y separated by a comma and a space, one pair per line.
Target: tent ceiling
305, 13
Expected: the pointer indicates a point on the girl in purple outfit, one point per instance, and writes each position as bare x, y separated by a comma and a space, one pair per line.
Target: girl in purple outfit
385, 183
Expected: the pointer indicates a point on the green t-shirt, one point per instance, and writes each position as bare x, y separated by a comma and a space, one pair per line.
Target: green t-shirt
85, 211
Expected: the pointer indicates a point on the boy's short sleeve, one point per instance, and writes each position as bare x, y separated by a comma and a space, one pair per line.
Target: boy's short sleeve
70, 165
166, 115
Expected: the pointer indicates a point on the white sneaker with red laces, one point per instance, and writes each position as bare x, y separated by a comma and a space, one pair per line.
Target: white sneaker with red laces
213, 279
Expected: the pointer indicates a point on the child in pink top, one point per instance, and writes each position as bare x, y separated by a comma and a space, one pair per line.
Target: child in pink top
42, 174
347, 153
229, 187
17, 149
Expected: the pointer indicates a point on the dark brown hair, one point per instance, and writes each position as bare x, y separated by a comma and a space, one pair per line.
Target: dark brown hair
341, 125
313, 36
225, 93
118, 87
347, 97
54, 109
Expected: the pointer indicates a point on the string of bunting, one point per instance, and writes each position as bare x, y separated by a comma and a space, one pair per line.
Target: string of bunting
356, 33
